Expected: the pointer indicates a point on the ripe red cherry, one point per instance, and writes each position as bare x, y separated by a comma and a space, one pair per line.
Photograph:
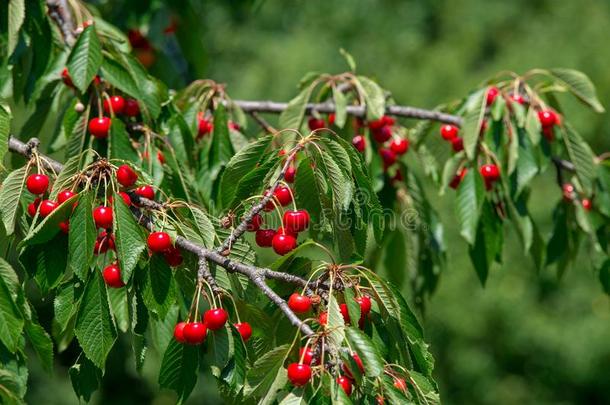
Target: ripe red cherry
323, 318
359, 143
345, 384
358, 361
283, 195
126, 176
194, 332
568, 191
244, 329
126, 198
492, 93
283, 243
215, 318
387, 120
117, 103
517, 98
299, 303
159, 241
33, 207
264, 237
179, 332
132, 108
388, 156
344, 312
586, 204
380, 400
365, 305
400, 383
299, 374
547, 118
490, 172
296, 221
112, 276
173, 257
64, 196
315, 123
331, 119
382, 134
457, 144
306, 356
65, 76
47, 207
255, 224
234, 126
289, 175
64, 226
449, 132
37, 183
457, 179
99, 127
400, 146
103, 243
160, 157
102, 217
548, 133
376, 124
204, 127
146, 192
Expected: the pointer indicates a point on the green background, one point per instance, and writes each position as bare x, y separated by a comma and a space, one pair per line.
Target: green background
525, 338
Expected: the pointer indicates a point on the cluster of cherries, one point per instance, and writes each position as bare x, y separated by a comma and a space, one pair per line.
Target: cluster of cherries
194, 333
205, 126
570, 195
38, 184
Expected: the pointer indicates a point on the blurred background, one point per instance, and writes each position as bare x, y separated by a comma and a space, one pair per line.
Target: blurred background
527, 337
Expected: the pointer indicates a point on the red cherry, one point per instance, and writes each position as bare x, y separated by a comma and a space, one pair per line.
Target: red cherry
173, 257
47, 207
380, 400
315, 123
64, 196
126, 176
345, 384
376, 124
179, 332
365, 304
283, 243
586, 204
397, 177
359, 143
194, 332
215, 318
283, 195
382, 134
234, 126
296, 221
65, 76
344, 313
457, 179
159, 242
347, 371
33, 207
103, 243
387, 120
388, 156
306, 356
547, 118
299, 374
449, 132
400, 146
37, 183
490, 172
299, 303
548, 133
323, 318
64, 226
331, 119
99, 127
204, 127
117, 103
160, 157
264, 237
126, 198
289, 175
146, 192
568, 191
112, 276
492, 93
517, 98
400, 383
255, 223
483, 126
457, 144
132, 108
102, 217
244, 329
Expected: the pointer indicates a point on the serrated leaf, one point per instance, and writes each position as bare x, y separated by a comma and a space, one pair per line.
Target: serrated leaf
306, 191
262, 373
473, 119
374, 98
5, 128
159, 290
221, 148
42, 344
129, 240
368, 353
65, 178
253, 181
292, 116
335, 324
150, 100
117, 300
11, 321
580, 85
10, 194
532, 126
118, 76
582, 157
49, 226
85, 377
488, 242
85, 58
77, 131
179, 369
47, 262
95, 331
340, 107
119, 144
81, 238
470, 197
16, 16
205, 227
341, 185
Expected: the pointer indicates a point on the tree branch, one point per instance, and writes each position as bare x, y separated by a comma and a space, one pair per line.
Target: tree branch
60, 13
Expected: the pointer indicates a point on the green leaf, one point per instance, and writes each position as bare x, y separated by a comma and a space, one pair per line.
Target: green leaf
292, 116
349, 59
85, 377
470, 197
119, 307
82, 235
42, 344
252, 182
159, 290
49, 226
264, 370
205, 227
340, 107
5, 128
63, 305
179, 369
11, 321
119, 144
582, 157
48, 262
368, 353
16, 16
341, 185
532, 126
374, 98
473, 118
488, 242
306, 191
77, 131
580, 85
129, 241
221, 149
336, 324
10, 194
94, 328
240, 165
85, 58
65, 179
281, 378
150, 97
118, 76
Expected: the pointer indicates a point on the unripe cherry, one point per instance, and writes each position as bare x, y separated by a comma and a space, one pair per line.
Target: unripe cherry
159, 242
299, 374
126, 176
244, 329
299, 303
37, 183
215, 318
112, 276
99, 127
103, 217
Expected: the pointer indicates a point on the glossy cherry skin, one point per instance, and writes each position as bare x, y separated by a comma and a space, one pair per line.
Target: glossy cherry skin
365, 304
64, 196
289, 175
382, 134
112, 276
586, 204
99, 127
400, 146
146, 191
33, 207
547, 118
173, 257
215, 318
46, 207
283, 243
126, 198
457, 179
116, 102
388, 156
296, 221
315, 123
345, 383
65, 76
179, 332
492, 93
359, 143
449, 132
299, 303
255, 223
358, 361
331, 119
457, 144
126, 176
517, 98
490, 172
204, 127
37, 183
568, 191
132, 108
264, 237
194, 332
306, 356
159, 242
245, 330
299, 374
344, 312
387, 120
283, 195
102, 217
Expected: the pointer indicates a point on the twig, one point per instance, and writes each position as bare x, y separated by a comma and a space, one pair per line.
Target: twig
262, 122
59, 12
